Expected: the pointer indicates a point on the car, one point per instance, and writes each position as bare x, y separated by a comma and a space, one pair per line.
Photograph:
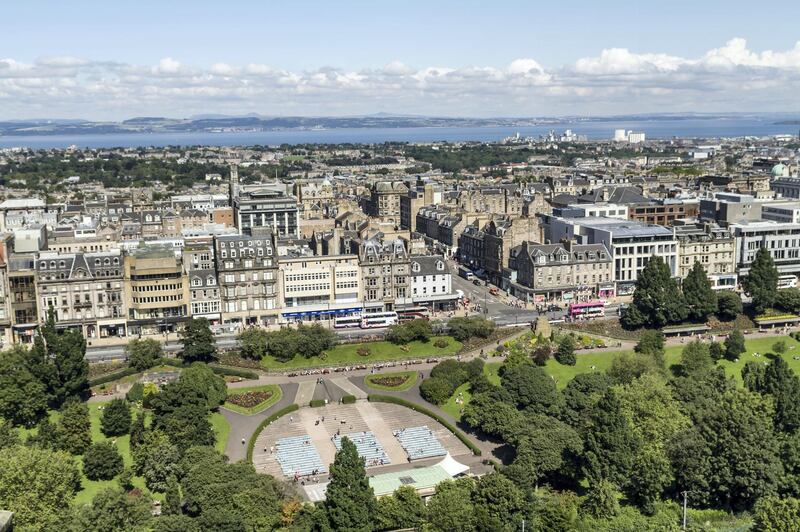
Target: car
494, 291
476, 282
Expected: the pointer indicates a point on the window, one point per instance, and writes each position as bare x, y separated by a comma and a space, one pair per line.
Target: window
196, 281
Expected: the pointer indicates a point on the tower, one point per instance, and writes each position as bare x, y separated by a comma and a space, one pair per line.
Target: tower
233, 187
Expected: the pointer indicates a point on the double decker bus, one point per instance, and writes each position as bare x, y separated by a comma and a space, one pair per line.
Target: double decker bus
413, 313
378, 319
588, 310
787, 281
346, 322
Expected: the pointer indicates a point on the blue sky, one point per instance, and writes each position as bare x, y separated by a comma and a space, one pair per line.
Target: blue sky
111, 46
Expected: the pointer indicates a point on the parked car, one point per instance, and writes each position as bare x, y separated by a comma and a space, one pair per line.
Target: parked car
476, 282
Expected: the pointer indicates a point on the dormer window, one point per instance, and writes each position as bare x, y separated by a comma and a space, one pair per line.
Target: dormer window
43, 265
196, 281
440, 265
415, 267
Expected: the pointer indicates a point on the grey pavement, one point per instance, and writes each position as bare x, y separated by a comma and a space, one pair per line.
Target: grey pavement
243, 426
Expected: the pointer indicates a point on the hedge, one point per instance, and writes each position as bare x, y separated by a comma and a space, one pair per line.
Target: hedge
348, 399
175, 363
110, 377
316, 403
376, 398
272, 417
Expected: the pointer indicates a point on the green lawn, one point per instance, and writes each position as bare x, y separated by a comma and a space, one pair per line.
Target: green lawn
274, 398
222, 431
454, 409
379, 352
411, 379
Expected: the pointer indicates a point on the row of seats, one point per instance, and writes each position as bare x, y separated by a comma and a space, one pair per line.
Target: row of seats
419, 443
368, 448
298, 456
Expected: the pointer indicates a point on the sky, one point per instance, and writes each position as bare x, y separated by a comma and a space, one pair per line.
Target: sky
103, 60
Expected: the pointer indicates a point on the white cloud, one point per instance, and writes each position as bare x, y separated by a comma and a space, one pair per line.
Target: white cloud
731, 77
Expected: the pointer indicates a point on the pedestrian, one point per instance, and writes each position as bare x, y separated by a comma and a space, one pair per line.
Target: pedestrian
242, 441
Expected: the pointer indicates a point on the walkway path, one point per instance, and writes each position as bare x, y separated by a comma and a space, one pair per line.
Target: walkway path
349, 388
382, 432
305, 392
243, 426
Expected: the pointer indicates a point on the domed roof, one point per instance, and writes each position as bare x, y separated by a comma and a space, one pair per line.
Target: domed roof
779, 170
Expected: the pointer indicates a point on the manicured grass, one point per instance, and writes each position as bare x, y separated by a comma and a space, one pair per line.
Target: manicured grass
222, 431
379, 352
454, 409
584, 362
274, 398
410, 380
763, 346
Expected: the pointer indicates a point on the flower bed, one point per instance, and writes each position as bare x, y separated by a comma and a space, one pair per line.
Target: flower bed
396, 381
391, 382
250, 399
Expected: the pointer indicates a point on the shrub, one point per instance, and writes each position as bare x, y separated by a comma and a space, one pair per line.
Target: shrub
779, 347
462, 329
348, 399
143, 354
729, 305
272, 417
441, 343
136, 393
116, 419
102, 461
233, 372
405, 333
363, 351
253, 343
436, 390
565, 354
306, 340
111, 377
316, 403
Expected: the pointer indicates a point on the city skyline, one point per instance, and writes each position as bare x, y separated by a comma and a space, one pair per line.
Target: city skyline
100, 62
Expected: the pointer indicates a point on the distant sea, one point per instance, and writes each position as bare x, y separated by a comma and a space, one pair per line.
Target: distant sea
594, 130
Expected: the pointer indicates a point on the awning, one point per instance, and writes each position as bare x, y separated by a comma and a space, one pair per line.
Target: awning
452, 466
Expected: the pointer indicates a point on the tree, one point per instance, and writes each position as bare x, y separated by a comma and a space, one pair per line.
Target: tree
23, 400
137, 430
172, 499
116, 419
701, 300
113, 510
729, 305
547, 447
565, 354
102, 461
773, 514
8, 435
74, 427
531, 386
403, 509
734, 345
657, 300
696, 357
419, 330
201, 378
651, 344
784, 386
497, 503
156, 459
199, 344
780, 347
253, 343
58, 360
350, 502
626, 367
788, 299
611, 443
716, 350
761, 283
436, 390
143, 354
176, 523
464, 328
450, 507
729, 457
580, 395
602, 500
37, 485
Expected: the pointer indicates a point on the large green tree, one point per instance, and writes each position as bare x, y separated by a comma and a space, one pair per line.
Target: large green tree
450, 508
116, 419
143, 354
773, 514
734, 345
37, 485
74, 427
350, 502
23, 399
701, 300
611, 442
761, 281
102, 461
403, 509
657, 301
532, 386
199, 344
113, 510
200, 377
156, 459
497, 503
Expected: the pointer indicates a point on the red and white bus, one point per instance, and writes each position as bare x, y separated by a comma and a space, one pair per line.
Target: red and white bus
413, 313
378, 319
588, 310
344, 322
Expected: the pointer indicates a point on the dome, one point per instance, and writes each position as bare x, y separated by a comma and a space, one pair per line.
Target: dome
780, 170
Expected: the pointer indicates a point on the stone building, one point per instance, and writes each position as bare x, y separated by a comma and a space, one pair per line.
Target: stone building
156, 291
385, 274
